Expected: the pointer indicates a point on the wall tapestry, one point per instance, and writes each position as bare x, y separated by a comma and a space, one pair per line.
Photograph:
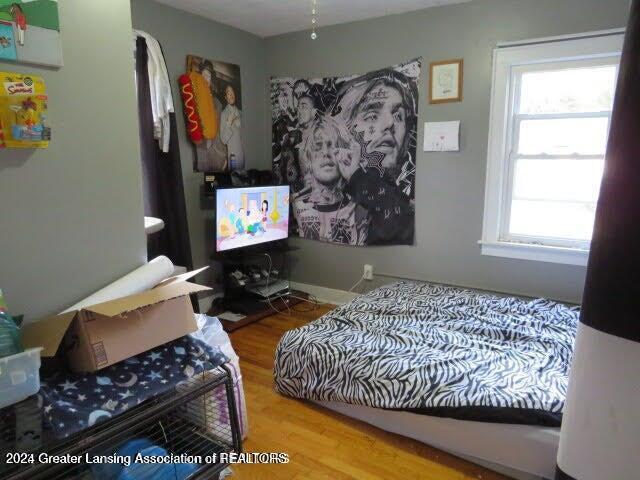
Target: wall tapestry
347, 148
30, 32
213, 110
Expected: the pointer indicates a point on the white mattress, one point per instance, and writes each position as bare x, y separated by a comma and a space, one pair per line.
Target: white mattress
527, 451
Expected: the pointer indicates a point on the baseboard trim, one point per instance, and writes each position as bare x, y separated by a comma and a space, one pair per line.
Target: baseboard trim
324, 294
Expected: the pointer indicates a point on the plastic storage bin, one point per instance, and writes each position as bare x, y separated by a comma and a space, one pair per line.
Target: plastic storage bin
19, 376
9, 335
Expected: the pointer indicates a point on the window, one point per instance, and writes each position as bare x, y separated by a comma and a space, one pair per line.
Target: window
550, 114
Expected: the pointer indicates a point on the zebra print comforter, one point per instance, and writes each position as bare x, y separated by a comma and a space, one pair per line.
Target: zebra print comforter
436, 350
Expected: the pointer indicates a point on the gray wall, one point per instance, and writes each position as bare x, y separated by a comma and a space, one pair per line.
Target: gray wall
449, 187
180, 34
71, 216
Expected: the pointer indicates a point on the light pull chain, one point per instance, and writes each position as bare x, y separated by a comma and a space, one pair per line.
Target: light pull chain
314, 11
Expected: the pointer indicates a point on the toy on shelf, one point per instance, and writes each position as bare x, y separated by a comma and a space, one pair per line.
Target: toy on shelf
23, 111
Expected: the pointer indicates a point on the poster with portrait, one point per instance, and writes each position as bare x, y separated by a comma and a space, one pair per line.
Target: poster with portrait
219, 106
347, 148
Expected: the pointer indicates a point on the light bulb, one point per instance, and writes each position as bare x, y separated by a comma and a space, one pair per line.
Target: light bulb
313, 35
313, 20
313, 11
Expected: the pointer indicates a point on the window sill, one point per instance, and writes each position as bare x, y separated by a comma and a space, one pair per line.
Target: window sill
540, 253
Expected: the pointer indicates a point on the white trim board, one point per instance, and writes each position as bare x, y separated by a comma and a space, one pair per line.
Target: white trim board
324, 294
558, 38
540, 253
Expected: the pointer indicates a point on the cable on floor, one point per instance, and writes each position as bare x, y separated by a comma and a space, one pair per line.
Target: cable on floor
356, 284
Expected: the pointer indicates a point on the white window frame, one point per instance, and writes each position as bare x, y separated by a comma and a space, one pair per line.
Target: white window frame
509, 62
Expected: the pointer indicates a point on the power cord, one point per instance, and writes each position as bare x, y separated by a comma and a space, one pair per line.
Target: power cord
311, 299
268, 299
357, 283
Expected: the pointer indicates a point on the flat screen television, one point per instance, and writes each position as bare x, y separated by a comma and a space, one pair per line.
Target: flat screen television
251, 215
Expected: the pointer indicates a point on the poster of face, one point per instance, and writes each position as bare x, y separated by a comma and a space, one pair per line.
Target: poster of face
220, 111
347, 148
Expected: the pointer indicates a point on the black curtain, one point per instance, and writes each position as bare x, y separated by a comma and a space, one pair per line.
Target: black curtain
612, 288
163, 189
595, 437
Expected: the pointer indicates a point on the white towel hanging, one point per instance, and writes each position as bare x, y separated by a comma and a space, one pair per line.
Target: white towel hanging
160, 90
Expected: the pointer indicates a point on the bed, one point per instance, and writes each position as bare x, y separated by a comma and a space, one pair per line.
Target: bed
441, 355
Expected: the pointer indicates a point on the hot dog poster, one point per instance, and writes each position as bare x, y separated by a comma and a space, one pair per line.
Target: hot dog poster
212, 104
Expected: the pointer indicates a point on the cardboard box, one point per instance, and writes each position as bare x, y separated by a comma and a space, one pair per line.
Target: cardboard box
100, 335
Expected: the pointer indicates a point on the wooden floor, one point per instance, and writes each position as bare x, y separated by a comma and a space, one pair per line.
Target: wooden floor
323, 444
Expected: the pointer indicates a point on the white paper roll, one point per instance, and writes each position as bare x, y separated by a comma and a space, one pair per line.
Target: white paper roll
139, 280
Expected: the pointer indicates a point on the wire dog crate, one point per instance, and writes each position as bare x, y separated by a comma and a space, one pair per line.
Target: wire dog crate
189, 427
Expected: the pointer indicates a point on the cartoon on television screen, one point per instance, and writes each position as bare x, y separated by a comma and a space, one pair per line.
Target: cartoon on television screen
252, 215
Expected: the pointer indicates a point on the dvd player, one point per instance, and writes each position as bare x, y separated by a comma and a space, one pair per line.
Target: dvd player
270, 290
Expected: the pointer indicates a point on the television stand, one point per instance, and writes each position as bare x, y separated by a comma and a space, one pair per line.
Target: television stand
256, 310
256, 283
245, 306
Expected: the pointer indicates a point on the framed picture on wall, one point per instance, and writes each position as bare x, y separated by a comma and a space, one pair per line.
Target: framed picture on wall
445, 81
30, 32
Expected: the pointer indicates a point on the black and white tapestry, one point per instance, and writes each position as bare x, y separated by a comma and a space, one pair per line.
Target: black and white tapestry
347, 148
436, 350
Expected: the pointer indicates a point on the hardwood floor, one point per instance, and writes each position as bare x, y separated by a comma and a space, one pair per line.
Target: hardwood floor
322, 444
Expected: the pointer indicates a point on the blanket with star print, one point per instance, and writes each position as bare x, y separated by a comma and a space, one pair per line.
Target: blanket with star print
72, 402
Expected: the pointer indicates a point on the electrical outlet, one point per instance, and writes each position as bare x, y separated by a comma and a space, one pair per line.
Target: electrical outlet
368, 272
